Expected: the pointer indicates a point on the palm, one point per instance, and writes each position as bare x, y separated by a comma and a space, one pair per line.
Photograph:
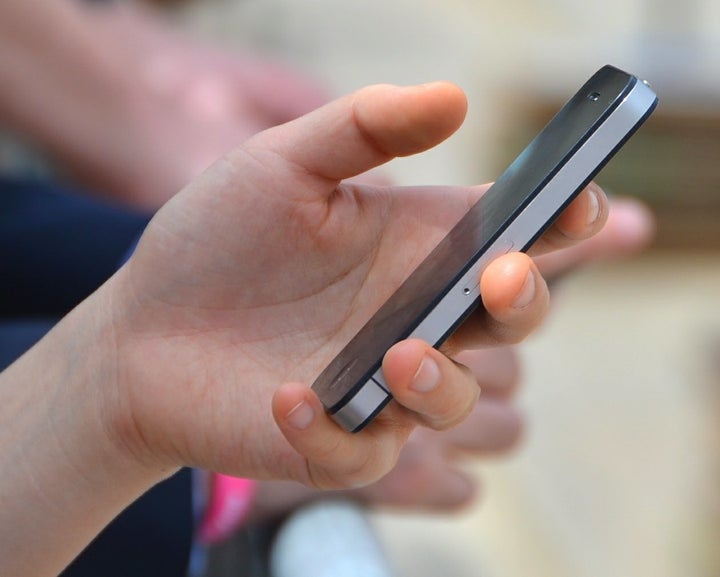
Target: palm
251, 305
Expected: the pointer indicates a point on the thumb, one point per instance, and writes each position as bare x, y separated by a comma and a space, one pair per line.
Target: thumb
362, 131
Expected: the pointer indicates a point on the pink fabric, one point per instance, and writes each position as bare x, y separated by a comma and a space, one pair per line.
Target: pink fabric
228, 507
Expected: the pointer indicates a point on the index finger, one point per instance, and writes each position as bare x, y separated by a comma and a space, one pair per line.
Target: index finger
582, 218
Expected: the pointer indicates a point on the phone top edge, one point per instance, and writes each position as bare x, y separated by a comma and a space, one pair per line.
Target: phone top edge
649, 109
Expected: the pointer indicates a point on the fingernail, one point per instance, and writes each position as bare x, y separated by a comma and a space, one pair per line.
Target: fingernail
593, 206
527, 293
427, 376
301, 416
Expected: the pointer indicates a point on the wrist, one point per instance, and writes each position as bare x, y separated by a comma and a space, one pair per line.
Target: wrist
112, 371
86, 369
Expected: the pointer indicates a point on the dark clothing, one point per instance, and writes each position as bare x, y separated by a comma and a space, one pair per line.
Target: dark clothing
57, 247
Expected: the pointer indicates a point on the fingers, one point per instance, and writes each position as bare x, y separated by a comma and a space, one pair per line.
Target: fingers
425, 479
335, 458
428, 388
439, 391
583, 218
364, 130
496, 370
629, 229
494, 426
515, 301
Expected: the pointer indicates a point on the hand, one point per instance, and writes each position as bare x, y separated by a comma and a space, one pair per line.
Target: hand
131, 107
243, 287
193, 103
199, 104
248, 282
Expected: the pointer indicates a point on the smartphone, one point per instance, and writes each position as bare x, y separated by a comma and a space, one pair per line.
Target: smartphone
510, 216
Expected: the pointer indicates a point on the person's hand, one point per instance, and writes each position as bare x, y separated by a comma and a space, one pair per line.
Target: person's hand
244, 286
193, 103
249, 281
198, 104
127, 104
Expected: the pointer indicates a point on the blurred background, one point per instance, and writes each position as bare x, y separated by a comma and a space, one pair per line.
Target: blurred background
619, 471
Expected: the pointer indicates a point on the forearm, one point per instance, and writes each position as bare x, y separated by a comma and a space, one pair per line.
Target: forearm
103, 90
63, 475
54, 67
77, 84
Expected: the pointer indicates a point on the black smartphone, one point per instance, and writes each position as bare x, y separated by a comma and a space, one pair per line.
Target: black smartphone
513, 213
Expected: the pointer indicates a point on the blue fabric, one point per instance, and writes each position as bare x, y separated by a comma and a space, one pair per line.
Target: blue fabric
17, 336
56, 247
151, 538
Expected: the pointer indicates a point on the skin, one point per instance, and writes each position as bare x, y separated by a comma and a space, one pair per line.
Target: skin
200, 349
128, 105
